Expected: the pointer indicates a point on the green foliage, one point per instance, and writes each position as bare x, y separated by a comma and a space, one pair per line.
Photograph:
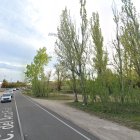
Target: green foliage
131, 36
52, 96
100, 58
5, 83
69, 50
41, 60
12, 85
112, 92
18, 84
123, 117
62, 74
106, 89
35, 72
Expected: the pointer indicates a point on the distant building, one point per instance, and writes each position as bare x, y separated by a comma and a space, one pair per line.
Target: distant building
1, 84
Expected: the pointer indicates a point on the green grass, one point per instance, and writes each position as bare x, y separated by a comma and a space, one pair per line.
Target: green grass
131, 120
52, 96
65, 92
1, 90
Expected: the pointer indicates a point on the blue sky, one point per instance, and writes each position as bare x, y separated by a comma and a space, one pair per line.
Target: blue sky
25, 25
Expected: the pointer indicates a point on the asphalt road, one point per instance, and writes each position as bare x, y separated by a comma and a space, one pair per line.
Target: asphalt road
23, 119
9, 126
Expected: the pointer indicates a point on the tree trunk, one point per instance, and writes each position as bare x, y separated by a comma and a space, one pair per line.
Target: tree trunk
82, 46
83, 90
120, 61
59, 88
118, 49
74, 87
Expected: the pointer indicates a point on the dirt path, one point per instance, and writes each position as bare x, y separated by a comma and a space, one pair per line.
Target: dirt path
100, 128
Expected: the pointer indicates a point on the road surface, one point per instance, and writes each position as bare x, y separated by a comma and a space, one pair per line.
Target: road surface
23, 119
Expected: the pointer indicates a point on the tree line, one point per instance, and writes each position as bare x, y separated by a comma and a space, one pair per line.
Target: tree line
5, 84
81, 53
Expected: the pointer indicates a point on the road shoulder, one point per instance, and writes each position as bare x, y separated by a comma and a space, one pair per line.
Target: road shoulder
100, 128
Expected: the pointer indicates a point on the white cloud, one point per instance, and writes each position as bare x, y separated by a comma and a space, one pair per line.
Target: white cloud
11, 75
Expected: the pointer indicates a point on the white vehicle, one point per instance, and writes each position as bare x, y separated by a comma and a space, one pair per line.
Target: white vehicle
14, 89
6, 97
11, 92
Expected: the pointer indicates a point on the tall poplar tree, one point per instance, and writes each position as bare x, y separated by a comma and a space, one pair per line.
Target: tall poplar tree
69, 49
100, 58
131, 34
117, 45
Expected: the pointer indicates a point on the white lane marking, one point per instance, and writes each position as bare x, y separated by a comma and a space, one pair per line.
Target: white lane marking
21, 132
7, 124
58, 119
8, 115
11, 136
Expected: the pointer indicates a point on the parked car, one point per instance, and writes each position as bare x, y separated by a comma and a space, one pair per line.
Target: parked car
14, 89
23, 88
6, 97
11, 92
17, 88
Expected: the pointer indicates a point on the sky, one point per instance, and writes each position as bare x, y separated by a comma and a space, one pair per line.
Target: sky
25, 25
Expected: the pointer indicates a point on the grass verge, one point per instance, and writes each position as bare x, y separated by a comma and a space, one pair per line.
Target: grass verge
52, 96
126, 119
1, 90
